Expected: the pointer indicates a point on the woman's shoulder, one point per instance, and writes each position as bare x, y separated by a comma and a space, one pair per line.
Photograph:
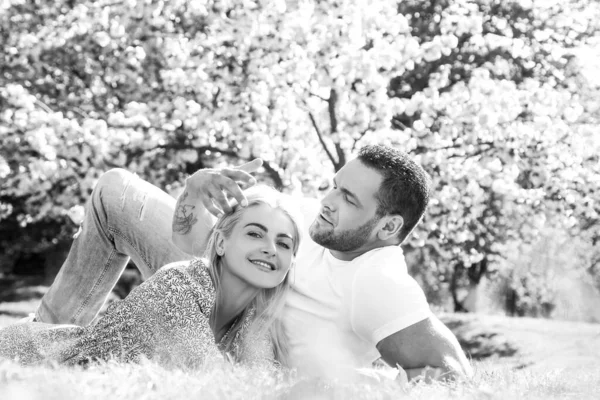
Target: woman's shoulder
196, 266
195, 271
183, 265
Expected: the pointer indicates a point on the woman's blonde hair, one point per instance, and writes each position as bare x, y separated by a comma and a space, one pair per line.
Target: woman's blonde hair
268, 303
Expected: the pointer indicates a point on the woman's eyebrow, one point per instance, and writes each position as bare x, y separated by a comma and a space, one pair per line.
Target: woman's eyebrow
285, 235
261, 226
264, 228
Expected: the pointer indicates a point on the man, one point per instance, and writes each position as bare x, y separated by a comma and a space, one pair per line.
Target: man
352, 299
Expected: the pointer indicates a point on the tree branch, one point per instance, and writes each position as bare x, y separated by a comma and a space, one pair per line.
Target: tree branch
331, 106
341, 157
424, 149
317, 96
274, 174
215, 99
362, 134
320, 135
174, 146
43, 106
475, 153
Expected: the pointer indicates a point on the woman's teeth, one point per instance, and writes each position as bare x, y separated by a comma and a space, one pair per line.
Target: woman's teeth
263, 264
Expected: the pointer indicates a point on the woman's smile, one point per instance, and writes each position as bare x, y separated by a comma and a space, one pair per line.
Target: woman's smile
263, 265
260, 249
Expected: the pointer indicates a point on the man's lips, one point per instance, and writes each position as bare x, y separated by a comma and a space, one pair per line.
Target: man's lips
322, 217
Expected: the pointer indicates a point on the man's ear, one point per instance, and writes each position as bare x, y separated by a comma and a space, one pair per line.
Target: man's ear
391, 227
219, 243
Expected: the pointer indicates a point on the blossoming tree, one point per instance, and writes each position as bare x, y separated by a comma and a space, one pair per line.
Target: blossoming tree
486, 94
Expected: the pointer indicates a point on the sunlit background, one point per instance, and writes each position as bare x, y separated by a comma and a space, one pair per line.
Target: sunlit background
498, 100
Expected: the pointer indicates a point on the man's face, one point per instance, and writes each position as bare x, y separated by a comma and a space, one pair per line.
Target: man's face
348, 212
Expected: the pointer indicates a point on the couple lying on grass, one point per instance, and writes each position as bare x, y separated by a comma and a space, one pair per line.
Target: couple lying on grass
327, 307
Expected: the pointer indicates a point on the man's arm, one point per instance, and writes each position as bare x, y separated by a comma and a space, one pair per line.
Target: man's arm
428, 343
191, 223
206, 195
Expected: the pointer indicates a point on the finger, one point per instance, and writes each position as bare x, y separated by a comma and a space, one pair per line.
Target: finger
238, 176
220, 199
232, 189
211, 208
251, 166
246, 185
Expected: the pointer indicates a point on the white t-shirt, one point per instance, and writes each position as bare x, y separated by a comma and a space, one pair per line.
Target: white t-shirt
337, 311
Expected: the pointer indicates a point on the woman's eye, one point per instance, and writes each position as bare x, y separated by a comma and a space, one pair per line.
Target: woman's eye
348, 199
254, 234
284, 245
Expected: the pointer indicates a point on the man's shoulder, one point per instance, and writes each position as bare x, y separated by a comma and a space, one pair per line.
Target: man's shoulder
384, 297
383, 260
382, 271
376, 269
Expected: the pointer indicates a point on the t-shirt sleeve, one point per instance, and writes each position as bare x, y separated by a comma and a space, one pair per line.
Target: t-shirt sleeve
385, 300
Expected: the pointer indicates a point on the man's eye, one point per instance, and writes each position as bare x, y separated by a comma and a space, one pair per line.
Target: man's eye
347, 198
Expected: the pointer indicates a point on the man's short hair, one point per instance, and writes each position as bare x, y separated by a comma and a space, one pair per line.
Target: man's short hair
405, 187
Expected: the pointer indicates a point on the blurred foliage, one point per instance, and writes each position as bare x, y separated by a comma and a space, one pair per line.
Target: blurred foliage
488, 95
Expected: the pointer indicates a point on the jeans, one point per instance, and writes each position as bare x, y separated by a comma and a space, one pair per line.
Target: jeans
125, 217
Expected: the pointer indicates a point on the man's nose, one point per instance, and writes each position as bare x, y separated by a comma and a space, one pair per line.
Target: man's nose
328, 201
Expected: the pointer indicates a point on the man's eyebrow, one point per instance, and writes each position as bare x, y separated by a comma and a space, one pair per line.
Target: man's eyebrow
349, 193
264, 228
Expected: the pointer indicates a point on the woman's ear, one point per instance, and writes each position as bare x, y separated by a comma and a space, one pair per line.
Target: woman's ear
291, 273
392, 224
219, 243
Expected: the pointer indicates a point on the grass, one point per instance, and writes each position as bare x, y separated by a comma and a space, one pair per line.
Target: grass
556, 360
221, 381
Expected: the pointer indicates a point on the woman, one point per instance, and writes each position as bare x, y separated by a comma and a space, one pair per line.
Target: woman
229, 302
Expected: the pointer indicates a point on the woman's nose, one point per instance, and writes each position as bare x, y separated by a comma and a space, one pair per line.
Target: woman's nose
268, 248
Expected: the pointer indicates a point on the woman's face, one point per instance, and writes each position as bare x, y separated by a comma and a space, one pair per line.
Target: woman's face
260, 248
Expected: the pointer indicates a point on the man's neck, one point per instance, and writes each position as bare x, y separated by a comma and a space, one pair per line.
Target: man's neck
351, 255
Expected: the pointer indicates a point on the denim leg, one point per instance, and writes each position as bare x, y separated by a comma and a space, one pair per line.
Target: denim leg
126, 217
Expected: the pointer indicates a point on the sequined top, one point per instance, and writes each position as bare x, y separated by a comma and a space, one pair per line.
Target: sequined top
165, 319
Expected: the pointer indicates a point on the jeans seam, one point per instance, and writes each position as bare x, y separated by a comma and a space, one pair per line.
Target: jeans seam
123, 237
46, 310
89, 296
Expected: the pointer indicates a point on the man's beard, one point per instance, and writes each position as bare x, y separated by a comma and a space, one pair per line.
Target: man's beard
348, 240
